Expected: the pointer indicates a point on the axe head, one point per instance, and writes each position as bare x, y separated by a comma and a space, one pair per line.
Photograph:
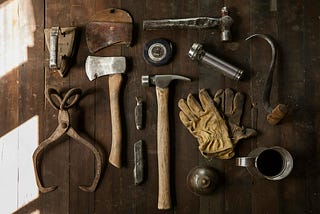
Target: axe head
109, 27
101, 66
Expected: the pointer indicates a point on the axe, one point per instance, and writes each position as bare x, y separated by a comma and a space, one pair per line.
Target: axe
114, 67
108, 27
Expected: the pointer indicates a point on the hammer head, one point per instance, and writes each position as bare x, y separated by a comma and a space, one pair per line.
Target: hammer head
101, 66
161, 81
225, 25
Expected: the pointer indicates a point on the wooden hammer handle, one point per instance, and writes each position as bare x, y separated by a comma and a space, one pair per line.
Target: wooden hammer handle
163, 147
115, 81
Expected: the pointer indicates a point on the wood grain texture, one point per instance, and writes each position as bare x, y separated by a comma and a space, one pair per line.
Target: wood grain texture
295, 27
163, 149
55, 163
183, 146
115, 83
211, 80
263, 21
82, 167
237, 180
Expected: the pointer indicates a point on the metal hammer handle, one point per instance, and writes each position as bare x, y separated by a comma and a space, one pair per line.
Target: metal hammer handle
191, 23
115, 81
224, 22
163, 147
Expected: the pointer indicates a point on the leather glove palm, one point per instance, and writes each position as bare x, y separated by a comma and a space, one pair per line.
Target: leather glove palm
207, 125
231, 105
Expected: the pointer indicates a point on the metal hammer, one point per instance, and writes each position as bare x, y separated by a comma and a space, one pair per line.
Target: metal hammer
113, 66
163, 138
224, 22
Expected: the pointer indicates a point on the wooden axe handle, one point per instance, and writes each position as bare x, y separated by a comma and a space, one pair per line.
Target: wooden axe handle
163, 147
115, 81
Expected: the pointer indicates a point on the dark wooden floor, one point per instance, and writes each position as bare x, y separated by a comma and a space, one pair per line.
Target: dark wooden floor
295, 25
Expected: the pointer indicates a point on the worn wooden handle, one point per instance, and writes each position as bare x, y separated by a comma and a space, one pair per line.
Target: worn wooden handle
163, 147
277, 114
114, 90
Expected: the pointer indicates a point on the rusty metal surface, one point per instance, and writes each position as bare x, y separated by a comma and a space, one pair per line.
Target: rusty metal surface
65, 128
100, 35
293, 24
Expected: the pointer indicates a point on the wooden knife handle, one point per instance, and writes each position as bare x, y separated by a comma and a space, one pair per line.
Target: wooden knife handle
115, 81
163, 147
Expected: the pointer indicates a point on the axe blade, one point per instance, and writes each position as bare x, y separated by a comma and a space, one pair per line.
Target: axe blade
101, 66
108, 27
100, 35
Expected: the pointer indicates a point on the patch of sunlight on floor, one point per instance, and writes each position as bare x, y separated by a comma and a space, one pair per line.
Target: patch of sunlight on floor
17, 181
17, 27
36, 212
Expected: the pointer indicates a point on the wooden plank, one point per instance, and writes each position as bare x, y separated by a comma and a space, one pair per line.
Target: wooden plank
293, 91
164, 9
135, 199
211, 80
55, 163
311, 64
82, 161
294, 25
31, 79
237, 180
8, 141
23, 16
20, 130
108, 196
297, 38
265, 194
185, 152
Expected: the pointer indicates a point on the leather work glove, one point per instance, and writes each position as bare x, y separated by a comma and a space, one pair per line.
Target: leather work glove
206, 124
231, 105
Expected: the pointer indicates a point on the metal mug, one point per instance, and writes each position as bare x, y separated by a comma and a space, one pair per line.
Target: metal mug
273, 163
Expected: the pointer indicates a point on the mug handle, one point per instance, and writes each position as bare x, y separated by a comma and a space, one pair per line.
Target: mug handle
245, 161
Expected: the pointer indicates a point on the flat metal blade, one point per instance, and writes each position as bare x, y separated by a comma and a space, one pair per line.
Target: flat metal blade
100, 35
139, 162
112, 26
101, 66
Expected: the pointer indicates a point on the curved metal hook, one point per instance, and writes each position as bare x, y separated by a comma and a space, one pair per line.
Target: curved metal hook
73, 134
277, 113
98, 156
53, 92
36, 163
73, 92
63, 102
268, 84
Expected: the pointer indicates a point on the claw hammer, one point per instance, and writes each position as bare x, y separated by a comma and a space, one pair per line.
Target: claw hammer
224, 22
163, 138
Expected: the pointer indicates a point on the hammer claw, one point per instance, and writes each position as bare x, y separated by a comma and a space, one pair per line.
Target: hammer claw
163, 134
224, 22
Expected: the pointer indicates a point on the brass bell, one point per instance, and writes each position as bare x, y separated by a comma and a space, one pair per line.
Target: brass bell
202, 180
